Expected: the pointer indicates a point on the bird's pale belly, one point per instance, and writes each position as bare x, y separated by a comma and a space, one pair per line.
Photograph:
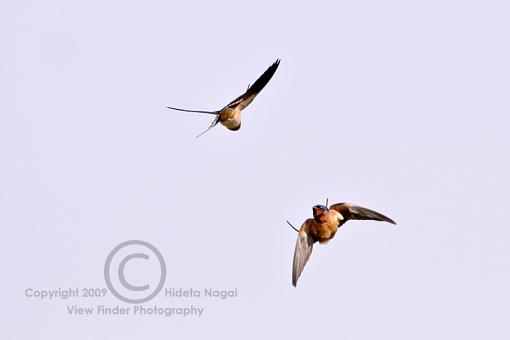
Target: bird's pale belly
233, 123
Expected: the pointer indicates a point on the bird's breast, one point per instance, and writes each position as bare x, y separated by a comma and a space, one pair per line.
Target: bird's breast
334, 219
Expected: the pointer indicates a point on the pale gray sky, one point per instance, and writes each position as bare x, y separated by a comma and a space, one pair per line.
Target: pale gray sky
398, 106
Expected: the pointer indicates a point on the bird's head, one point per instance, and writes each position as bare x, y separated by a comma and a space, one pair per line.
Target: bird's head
319, 212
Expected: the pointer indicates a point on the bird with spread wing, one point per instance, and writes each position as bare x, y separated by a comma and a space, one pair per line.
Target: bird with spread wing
323, 227
230, 114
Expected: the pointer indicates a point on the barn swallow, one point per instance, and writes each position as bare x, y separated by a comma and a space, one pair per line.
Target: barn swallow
323, 227
230, 115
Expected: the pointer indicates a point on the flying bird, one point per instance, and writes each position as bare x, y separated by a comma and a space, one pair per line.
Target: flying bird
230, 115
323, 227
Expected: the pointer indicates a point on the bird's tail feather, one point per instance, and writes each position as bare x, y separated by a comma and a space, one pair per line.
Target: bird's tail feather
213, 124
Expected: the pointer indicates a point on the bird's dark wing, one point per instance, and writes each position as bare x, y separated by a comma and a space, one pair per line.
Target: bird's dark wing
245, 99
303, 250
354, 212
